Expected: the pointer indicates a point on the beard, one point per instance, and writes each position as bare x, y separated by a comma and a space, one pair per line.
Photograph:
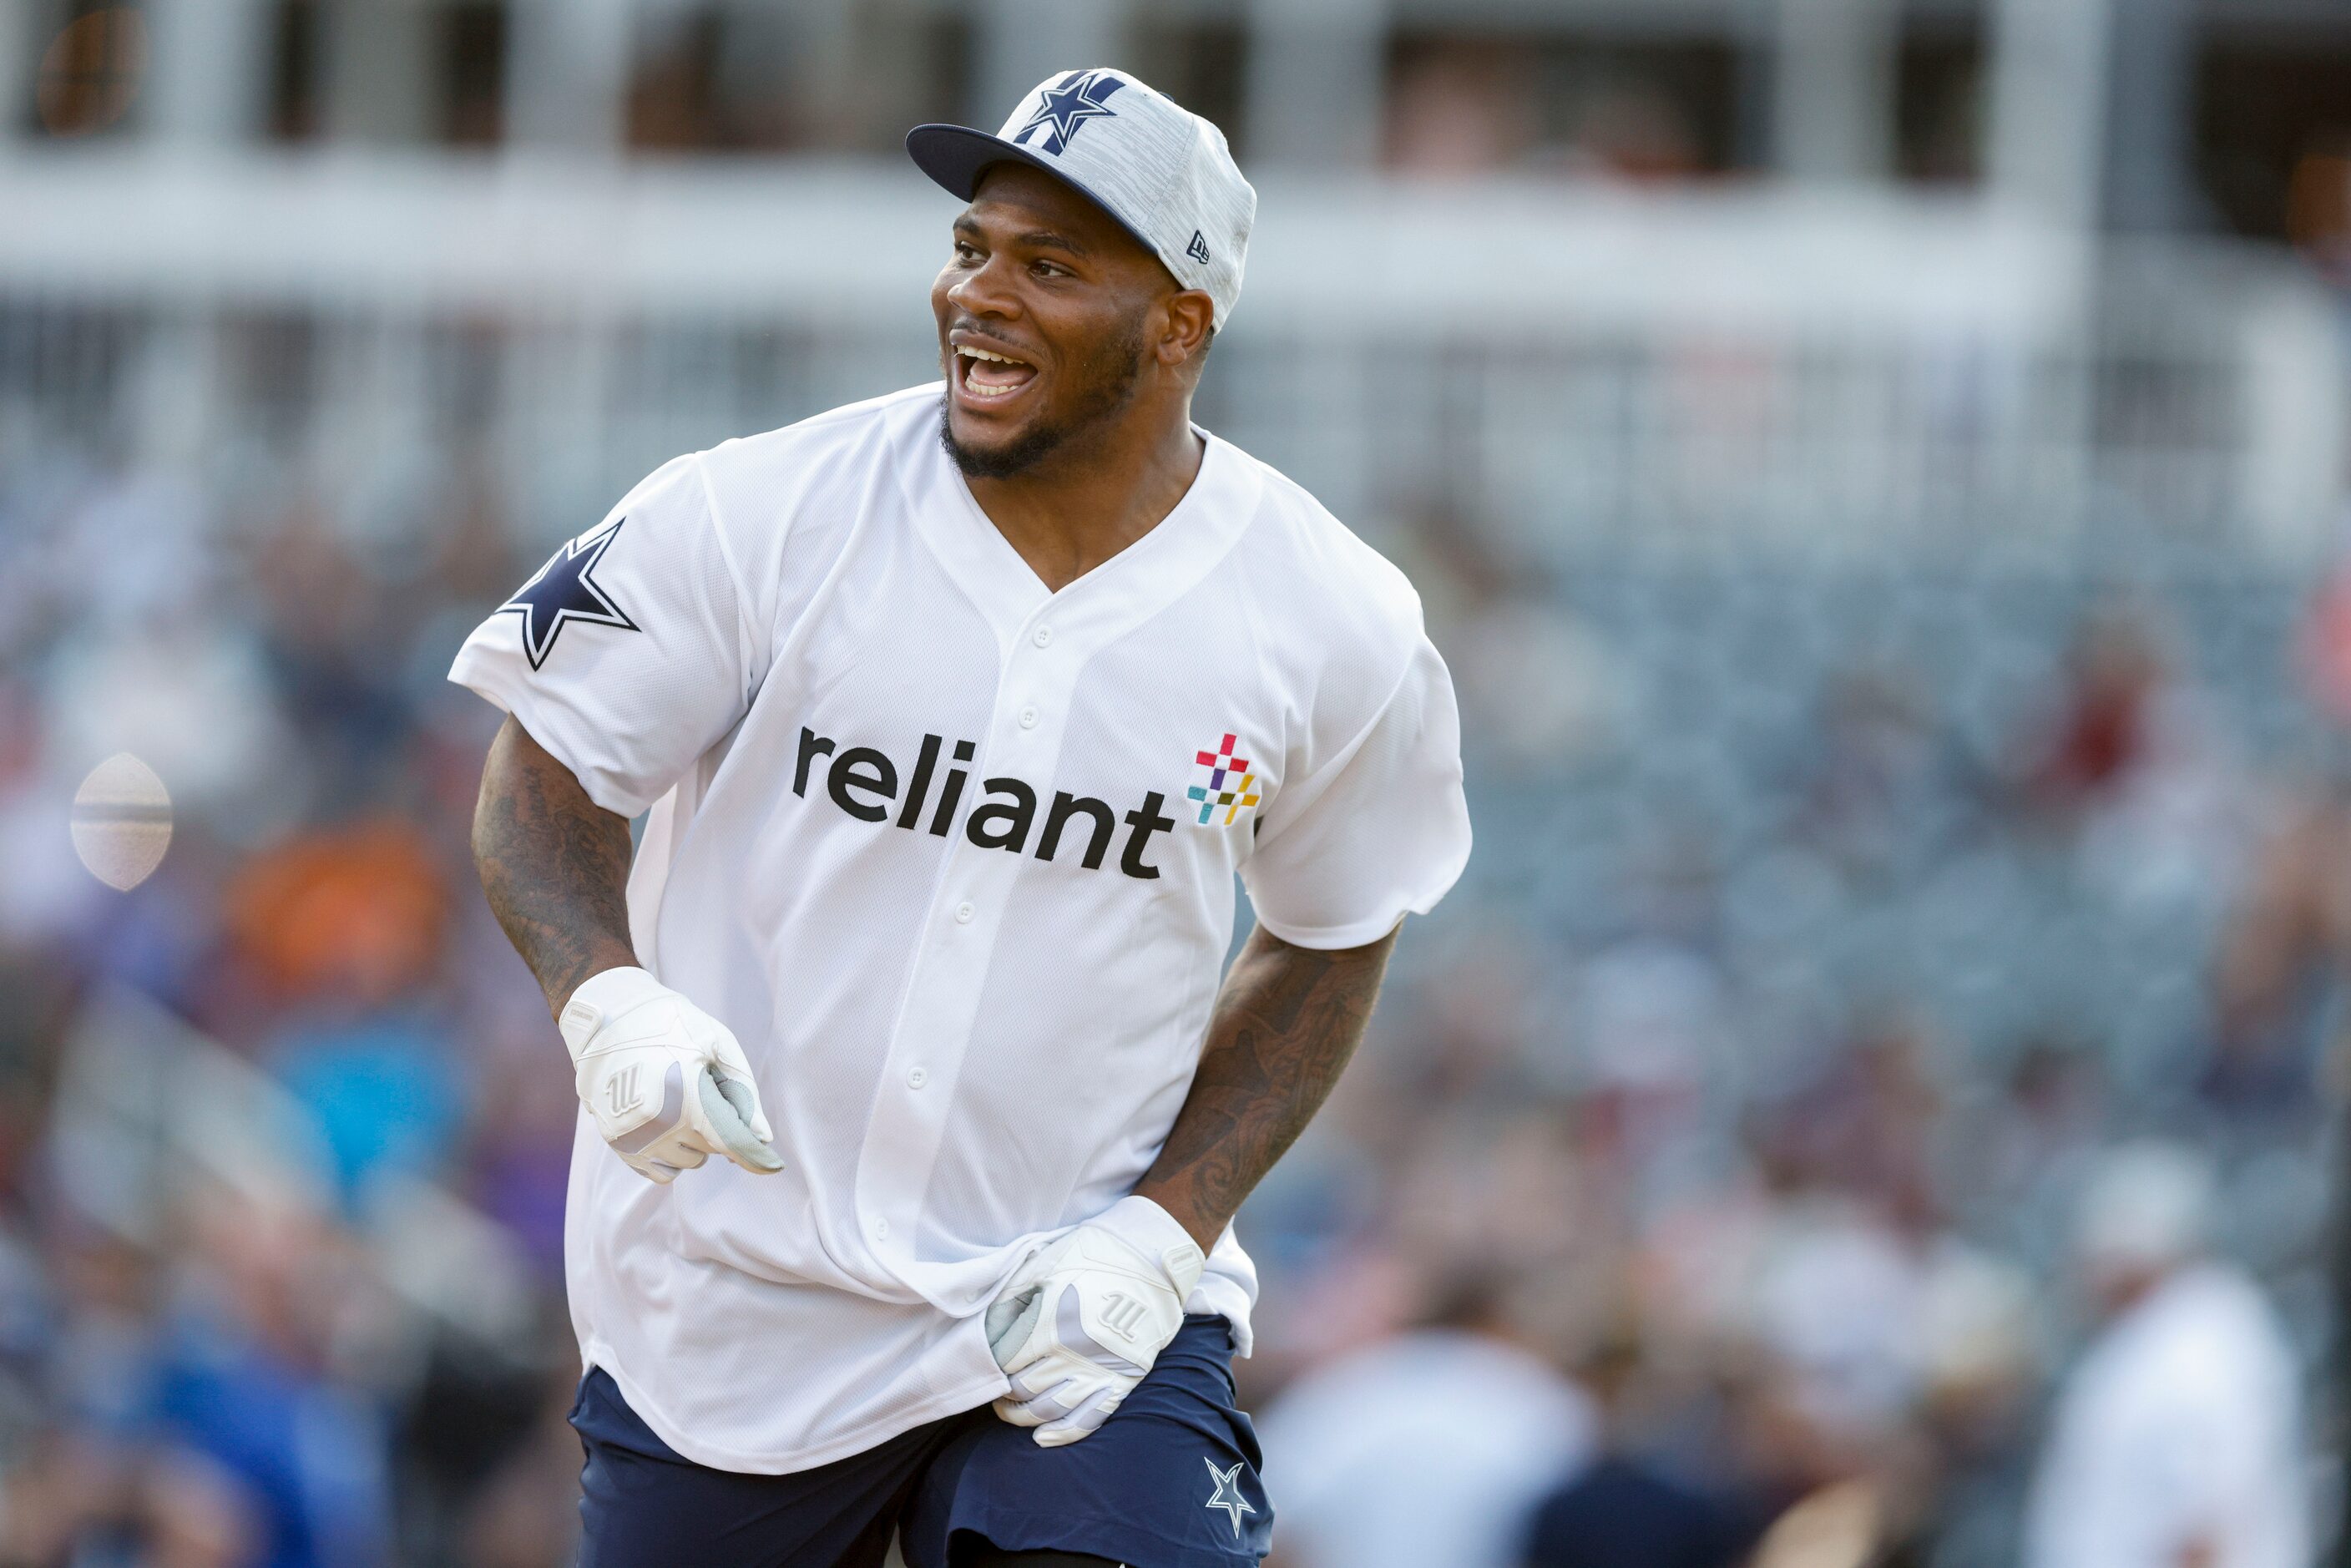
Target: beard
1105, 386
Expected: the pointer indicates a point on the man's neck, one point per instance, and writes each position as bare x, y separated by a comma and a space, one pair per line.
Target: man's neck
1083, 504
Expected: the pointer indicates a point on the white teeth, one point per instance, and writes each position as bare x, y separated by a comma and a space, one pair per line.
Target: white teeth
976, 388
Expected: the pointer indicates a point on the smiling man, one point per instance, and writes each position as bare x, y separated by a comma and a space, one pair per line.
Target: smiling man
953, 716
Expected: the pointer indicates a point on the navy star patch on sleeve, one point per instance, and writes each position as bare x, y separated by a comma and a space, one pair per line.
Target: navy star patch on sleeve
565, 590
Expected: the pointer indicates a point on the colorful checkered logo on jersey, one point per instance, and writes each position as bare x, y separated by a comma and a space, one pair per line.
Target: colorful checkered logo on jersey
1231, 787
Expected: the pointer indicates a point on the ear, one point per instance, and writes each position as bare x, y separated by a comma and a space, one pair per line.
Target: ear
1191, 315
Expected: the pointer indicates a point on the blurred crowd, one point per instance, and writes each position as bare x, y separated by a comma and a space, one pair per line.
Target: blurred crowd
1873, 1105
1882, 1007
288, 1125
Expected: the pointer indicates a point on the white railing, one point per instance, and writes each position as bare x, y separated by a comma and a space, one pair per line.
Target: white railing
1580, 368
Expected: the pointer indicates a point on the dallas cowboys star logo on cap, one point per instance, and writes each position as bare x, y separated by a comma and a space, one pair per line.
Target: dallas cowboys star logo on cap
563, 591
1070, 103
1228, 1495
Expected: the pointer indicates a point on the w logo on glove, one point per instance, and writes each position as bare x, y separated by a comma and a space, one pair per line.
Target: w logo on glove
1122, 1276
1121, 1315
667, 1083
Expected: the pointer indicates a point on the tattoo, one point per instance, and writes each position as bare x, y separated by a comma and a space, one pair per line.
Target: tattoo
1285, 1024
554, 865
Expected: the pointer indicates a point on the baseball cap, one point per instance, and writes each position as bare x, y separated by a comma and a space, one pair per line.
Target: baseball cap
1163, 172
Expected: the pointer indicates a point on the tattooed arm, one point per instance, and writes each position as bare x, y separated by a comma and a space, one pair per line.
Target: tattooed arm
1285, 1023
554, 865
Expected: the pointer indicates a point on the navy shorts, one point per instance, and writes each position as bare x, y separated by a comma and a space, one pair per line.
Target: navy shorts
1169, 1482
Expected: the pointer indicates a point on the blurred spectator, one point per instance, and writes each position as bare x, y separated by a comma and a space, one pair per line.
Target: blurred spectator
2133, 762
2278, 976
2177, 1439
1626, 1507
1980, 1327
344, 928
1461, 107
1621, 1509
1631, 129
2105, 728
1881, 771
2323, 649
1428, 1448
248, 1384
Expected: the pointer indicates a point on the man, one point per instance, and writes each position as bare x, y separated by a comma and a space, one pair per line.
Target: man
2176, 1440
954, 714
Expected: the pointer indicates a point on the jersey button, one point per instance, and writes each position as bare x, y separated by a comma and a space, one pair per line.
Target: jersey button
1028, 718
917, 1078
880, 1231
964, 911
1044, 637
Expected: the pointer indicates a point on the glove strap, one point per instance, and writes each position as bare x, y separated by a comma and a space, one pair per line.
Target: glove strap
1153, 1231
601, 999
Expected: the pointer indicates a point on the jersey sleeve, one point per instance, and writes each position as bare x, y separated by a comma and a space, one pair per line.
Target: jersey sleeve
629, 653
1378, 831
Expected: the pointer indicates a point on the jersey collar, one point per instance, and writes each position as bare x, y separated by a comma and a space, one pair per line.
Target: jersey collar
1121, 592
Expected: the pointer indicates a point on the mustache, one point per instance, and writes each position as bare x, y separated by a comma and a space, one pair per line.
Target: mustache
982, 338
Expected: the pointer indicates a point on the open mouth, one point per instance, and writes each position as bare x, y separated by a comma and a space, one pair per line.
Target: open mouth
984, 376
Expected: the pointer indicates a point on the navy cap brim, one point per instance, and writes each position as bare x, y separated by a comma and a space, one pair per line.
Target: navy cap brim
955, 156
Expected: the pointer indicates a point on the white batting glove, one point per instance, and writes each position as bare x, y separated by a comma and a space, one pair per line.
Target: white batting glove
1082, 1322
667, 1083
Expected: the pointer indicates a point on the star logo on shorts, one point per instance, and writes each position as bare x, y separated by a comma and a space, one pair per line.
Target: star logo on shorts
1228, 1495
565, 590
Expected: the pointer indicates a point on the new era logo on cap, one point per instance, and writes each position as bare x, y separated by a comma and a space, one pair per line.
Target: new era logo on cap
1163, 172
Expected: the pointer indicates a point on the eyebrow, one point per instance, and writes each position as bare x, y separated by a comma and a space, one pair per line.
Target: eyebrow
1035, 239
1052, 239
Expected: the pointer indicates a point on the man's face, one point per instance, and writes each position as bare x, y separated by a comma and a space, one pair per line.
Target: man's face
1045, 315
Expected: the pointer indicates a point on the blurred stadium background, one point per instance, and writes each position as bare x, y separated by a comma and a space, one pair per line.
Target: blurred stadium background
1876, 469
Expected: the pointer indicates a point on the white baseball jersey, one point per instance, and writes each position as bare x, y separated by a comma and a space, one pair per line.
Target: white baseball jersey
953, 856
2182, 1423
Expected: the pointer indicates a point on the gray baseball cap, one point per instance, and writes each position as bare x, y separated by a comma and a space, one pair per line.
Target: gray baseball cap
1163, 172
